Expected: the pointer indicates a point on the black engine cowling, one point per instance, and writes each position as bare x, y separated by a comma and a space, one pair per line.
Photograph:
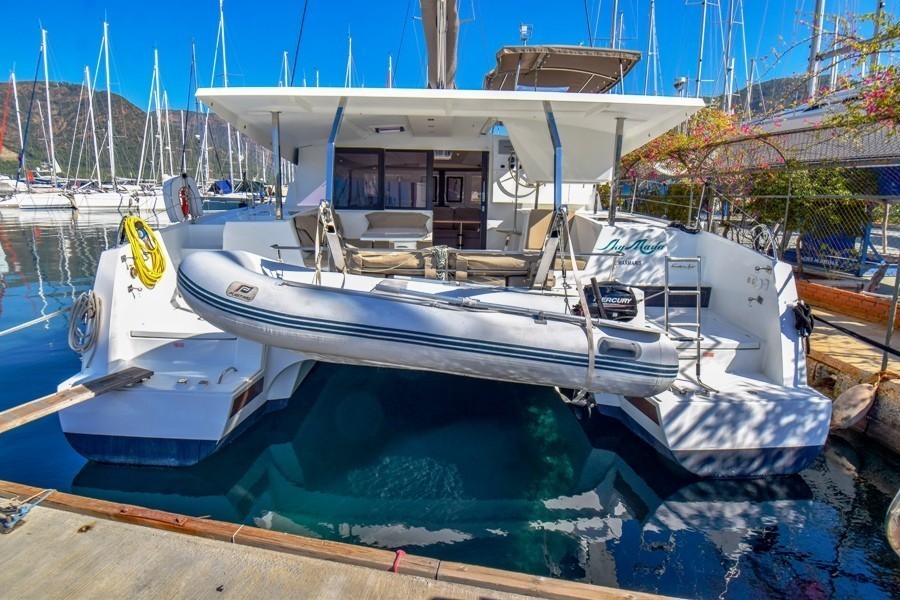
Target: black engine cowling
619, 302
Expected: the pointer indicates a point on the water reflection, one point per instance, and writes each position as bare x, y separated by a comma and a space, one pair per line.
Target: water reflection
505, 476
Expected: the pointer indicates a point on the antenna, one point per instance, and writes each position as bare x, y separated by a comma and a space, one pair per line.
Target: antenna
525, 31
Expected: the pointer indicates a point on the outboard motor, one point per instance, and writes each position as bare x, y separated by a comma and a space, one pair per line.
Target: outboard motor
619, 302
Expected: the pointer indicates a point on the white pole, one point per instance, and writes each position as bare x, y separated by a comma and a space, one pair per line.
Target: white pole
729, 60
814, 47
109, 122
650, 36
12, 79
700, 54
49, 114
87, 76
146, 130
225, 82
159, 127
348, 81
168, 132
614, 27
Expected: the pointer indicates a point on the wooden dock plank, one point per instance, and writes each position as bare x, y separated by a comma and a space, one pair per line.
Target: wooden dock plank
34, 410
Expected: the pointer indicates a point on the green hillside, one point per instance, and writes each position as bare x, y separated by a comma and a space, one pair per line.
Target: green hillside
73, 139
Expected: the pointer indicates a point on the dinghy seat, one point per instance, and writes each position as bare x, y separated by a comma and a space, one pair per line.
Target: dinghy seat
376, 262
539, 220
505, 268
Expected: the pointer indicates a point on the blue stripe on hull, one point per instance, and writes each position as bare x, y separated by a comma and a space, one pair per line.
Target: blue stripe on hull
423, 339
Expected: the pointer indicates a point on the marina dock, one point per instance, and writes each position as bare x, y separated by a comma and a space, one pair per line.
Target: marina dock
71, 546
838, 361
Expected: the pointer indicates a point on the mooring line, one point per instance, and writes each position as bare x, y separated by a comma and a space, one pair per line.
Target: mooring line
35, 321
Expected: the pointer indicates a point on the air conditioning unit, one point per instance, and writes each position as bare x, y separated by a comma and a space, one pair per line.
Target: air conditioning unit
443, 154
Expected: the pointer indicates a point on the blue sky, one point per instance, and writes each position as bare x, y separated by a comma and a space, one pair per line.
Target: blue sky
259, 32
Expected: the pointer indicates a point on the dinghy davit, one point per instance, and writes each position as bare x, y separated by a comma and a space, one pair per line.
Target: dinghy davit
359, 320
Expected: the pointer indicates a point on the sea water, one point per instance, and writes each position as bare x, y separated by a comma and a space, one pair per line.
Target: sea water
458, 469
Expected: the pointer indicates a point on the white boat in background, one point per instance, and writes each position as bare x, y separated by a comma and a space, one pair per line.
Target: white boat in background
9, 186
417, 244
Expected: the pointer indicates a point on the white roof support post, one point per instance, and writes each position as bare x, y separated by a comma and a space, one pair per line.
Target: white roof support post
617, 160
557, 155
276, 163
329, 150
551, 243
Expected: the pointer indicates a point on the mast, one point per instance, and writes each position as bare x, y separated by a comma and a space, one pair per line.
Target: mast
875, 58
225, 83
348, 79
168, 132
12, 80
146, 129
729, 58
284, 71
652, 52
834, 61
700, 54
159, 128
87, 77
390, 77
614, 27
814, 48
49, 115
109, 122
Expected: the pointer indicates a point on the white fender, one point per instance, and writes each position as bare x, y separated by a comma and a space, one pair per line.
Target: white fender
179, 193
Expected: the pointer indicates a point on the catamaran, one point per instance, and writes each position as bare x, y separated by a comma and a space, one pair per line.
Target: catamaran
410, 239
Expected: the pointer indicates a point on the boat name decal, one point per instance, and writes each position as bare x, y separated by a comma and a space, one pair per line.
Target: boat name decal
242, 291
642, 245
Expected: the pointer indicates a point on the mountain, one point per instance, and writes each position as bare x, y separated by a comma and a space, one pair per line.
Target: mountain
771, 96
72, 137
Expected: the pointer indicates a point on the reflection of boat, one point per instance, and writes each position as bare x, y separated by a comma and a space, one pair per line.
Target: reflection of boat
495, 472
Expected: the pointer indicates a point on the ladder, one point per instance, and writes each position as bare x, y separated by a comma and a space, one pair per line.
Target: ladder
695, 292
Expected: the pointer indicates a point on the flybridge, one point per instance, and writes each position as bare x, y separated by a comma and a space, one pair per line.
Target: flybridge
458, 119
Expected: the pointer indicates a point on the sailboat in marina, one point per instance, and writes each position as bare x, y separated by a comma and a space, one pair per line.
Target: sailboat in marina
400, 246
99, 199
50, 197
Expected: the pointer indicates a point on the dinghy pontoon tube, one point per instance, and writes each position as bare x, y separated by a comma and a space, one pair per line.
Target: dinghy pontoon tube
358, 322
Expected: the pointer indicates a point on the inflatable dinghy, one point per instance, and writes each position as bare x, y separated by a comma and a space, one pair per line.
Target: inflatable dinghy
357, 319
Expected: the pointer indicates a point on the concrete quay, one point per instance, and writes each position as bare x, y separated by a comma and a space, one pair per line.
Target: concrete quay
75, 547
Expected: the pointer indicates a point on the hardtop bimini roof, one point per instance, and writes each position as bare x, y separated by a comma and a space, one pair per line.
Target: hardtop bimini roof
560, 68
455, 120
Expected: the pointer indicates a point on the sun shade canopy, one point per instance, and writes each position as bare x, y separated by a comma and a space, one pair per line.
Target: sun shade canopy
560, 68
455, 120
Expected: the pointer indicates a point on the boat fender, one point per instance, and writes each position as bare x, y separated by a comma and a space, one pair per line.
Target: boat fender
854, 403
182, 198
892, 524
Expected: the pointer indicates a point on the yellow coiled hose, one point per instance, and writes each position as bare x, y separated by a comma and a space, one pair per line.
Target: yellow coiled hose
149, 260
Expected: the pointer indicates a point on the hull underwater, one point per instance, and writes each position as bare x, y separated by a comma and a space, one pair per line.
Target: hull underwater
370, 324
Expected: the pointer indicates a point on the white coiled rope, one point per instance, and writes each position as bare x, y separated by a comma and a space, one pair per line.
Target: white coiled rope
84, 325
